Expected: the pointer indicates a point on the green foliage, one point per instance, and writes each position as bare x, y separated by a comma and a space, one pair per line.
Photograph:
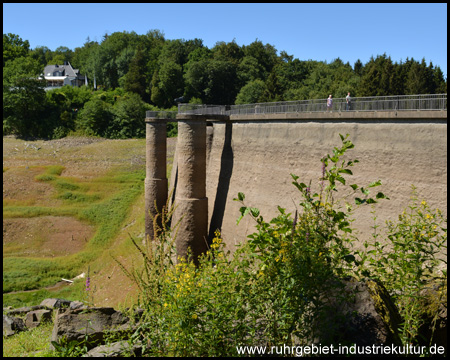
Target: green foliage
160, 70
14, 47
134, 79
95, 117
251, 93
30, 343
213, 81
23, 98
408, 260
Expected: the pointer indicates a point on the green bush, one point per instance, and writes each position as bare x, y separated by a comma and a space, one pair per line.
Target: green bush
409, 261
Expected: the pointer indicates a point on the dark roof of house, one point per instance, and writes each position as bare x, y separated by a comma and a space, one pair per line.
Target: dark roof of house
66, 70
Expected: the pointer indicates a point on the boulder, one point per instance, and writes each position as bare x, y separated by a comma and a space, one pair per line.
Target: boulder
55, 303
12, 325
360, 313
434, 304
26, 309
117, 349
88, 324
77, 305
37, 317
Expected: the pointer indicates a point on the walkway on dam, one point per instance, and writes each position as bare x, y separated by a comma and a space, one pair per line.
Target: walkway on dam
427, 102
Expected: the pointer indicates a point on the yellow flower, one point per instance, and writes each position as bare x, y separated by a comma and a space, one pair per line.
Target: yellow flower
194, 316
165, 305
428, 216
424, 203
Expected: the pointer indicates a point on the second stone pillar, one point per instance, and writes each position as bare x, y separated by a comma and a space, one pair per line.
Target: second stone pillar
190, 200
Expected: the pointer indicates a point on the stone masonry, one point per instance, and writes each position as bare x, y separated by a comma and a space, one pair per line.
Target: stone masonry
156, 176
190, 200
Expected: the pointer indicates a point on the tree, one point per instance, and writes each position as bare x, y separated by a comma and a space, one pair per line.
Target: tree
128, 119
249, 69
266, 55
358, 67
95, 117
440, 83
41, 53
252, 92
213, 81
273, 90
123, 62
61, 54
167, 84
23, 98
228, 52
14, 47
419, 79
135, 78
81, 56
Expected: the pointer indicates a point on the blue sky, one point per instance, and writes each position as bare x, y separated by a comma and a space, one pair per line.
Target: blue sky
320, 32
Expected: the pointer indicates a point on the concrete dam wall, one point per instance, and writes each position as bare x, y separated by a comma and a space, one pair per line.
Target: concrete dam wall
256, 154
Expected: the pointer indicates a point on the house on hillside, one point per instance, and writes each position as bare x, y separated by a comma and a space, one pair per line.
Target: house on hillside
60, 75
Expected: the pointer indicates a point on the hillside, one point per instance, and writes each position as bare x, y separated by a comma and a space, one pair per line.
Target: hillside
68, 205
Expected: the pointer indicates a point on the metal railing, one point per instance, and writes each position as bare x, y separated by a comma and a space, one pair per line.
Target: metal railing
161, 114
373, 103
192, 109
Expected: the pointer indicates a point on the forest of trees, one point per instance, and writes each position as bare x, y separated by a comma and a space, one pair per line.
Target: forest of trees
135, 73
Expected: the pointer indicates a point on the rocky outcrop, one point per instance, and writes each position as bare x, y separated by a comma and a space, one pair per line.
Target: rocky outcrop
36, 317
88, 325
360, 313
56, 303
12, 325
434, 328
117, 349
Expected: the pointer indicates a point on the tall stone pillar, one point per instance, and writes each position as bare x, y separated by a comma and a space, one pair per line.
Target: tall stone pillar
190, 200
156, 172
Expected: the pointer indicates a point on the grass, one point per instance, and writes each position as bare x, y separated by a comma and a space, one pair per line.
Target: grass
118, 191
103, 201
31, 343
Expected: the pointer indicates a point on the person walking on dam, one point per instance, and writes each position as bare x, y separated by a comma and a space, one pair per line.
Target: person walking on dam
349, 102
329, 103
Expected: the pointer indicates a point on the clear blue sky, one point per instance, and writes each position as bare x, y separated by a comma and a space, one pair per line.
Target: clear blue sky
320, 32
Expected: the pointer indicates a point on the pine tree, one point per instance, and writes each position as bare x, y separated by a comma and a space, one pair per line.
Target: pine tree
135, 78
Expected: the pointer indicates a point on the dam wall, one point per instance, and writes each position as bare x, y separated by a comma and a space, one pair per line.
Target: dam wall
255, 155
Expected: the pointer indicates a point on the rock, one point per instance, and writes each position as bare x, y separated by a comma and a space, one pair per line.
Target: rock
37, 317
12, 325
364, 316
26, 309
77, 324
77, 305
434, 303
55, 303
117, 349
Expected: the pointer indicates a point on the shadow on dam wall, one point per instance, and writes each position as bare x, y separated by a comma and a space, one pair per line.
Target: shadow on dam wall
223, 185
